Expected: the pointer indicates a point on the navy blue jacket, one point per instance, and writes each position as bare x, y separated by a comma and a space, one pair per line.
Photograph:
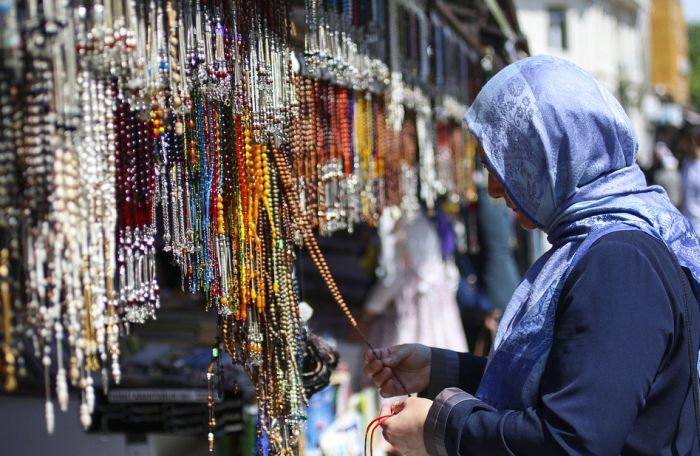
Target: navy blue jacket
618, 377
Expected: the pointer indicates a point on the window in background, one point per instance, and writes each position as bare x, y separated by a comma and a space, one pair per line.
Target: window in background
557, 29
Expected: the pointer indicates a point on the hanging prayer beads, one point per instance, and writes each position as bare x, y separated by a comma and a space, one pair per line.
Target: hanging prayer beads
120, 119
237, 237
68, 155
339, 143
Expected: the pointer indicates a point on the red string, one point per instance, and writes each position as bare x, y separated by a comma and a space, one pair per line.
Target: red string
374, 424
371, 437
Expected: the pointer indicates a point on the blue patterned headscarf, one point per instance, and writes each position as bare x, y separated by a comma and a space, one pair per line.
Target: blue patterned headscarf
564, 151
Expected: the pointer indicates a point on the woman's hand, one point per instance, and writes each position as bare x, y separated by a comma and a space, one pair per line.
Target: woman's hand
410, 362
404, 430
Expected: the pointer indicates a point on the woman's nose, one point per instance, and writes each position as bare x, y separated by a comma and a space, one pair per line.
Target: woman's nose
494, 187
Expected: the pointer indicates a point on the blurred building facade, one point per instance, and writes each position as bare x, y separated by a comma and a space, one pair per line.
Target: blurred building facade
668, 40
607, 38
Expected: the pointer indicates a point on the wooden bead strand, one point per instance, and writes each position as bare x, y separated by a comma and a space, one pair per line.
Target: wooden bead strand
314, 250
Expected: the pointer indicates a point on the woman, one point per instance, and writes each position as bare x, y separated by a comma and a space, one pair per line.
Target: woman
596, 349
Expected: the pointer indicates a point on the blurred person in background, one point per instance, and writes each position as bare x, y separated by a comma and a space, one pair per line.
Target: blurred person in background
666, 170
691, 179
596, 352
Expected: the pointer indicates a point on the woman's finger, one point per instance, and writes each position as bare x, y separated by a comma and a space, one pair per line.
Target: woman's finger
388, 356
389, 389
397, 354
373, 368
387, 433
381, 377
389, 423
371, 355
